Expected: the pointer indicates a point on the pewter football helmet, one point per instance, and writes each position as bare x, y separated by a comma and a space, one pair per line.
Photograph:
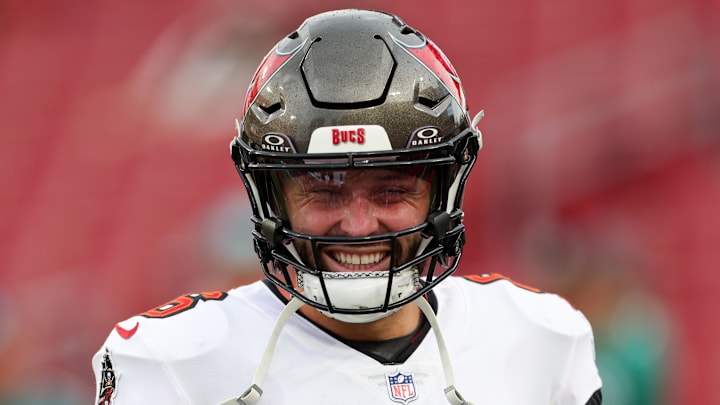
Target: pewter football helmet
356, 90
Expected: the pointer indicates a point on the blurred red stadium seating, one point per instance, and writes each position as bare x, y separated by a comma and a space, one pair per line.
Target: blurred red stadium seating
115, 119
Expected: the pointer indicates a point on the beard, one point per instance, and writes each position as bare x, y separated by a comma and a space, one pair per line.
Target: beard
351, 286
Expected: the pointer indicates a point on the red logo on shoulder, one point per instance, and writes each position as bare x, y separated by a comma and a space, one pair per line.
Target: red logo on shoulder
344, 136
126, 333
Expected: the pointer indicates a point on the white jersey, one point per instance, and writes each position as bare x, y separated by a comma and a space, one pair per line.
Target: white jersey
508, 345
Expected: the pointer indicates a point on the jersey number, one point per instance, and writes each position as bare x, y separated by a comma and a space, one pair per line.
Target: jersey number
182, 304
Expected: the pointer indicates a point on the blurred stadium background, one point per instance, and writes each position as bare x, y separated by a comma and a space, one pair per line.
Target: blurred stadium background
600, 177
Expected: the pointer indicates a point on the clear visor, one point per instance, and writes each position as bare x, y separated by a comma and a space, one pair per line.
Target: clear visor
309, 199
345, 216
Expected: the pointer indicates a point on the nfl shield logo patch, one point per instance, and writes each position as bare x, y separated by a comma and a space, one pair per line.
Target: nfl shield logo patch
401, 387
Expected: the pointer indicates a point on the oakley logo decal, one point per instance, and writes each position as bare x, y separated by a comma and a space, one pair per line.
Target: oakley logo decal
277, 143
425, 136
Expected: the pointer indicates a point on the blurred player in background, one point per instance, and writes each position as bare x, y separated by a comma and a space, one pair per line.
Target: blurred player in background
355, 144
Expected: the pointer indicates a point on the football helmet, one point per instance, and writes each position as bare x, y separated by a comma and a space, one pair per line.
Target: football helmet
354, 90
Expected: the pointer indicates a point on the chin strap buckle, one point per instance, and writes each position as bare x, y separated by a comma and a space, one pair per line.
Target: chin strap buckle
248, 397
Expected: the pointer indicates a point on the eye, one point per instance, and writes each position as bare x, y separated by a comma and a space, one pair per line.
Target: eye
324, 194
323, 191
390, 194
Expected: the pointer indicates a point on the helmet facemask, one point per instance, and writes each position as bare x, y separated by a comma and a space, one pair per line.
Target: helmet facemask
317, 106
383, 269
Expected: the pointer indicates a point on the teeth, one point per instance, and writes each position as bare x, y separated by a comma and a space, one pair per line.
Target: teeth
357, 259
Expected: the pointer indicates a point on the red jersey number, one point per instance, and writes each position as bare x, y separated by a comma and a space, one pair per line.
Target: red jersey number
182, 304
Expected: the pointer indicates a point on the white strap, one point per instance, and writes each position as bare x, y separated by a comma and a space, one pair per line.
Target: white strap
451, 393
252, 394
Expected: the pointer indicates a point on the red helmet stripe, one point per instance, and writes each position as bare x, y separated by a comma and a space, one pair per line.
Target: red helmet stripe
272, 62
436, 60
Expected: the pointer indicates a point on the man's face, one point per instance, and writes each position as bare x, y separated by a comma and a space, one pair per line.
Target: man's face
355, 203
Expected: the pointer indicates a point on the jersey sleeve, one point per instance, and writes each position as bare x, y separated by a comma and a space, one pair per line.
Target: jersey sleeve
581, 378
573, 343
552, 340
127, 372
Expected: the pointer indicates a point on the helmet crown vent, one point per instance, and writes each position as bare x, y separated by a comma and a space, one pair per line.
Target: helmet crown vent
361, 80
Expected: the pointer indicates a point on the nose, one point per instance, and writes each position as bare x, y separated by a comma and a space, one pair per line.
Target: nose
359, 217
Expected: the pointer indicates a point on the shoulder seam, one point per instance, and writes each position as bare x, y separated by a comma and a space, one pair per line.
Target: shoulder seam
488, 278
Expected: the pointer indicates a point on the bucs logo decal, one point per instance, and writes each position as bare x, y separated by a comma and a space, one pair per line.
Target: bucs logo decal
349, 138
351, 135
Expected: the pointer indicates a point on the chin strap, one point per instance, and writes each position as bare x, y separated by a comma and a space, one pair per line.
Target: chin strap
451, 393
252, 394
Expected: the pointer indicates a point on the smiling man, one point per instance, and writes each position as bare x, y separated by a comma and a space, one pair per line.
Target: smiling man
354, 145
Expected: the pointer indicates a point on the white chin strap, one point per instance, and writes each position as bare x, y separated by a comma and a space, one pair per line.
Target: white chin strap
252, 394
358, 290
